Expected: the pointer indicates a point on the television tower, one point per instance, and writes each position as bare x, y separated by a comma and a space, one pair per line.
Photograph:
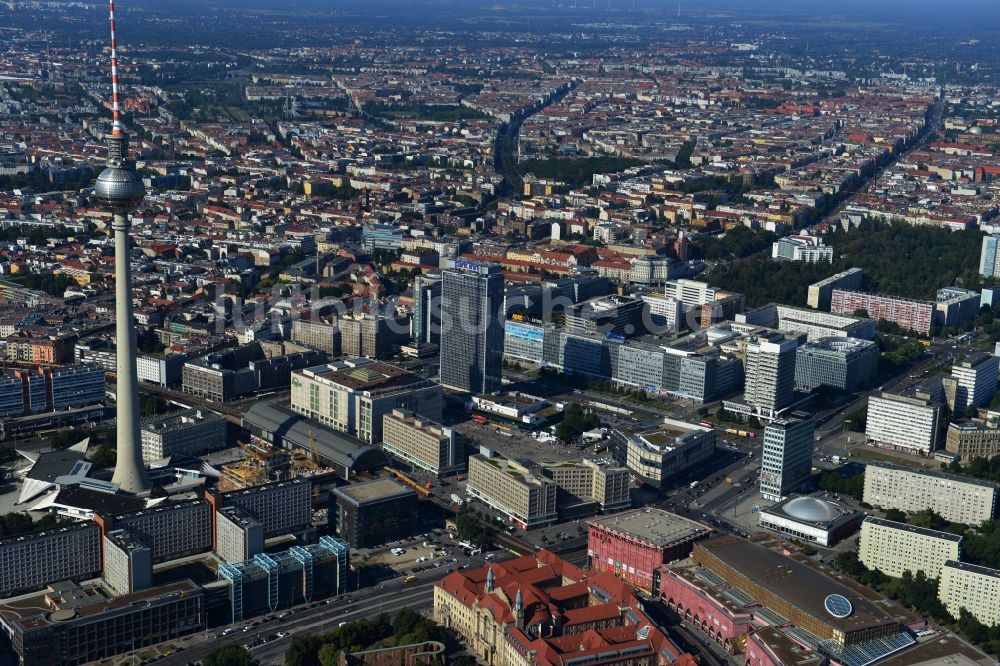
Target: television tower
120, 190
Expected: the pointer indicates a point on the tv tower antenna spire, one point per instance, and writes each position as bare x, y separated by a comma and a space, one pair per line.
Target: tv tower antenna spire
120, 190
116, 112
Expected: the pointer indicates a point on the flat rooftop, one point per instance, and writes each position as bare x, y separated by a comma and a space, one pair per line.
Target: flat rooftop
181, 418
375, 491
957, 478
948, 650
972, 568
26, 611
670, 434
99, 502
922, 531
50, 465
787, 650
654, 526
73, 527
373, 376
801, 585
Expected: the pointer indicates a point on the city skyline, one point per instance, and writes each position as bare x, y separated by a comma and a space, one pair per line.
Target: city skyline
520, 334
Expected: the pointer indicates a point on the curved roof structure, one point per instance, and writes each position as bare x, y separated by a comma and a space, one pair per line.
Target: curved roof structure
288, 429
811, 509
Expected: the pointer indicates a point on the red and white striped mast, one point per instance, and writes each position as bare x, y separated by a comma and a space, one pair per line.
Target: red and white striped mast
116, 113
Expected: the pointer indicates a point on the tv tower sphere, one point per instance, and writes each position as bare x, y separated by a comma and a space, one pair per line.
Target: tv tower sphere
120, 190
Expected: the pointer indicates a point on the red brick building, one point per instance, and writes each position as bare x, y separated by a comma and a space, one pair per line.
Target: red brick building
633, 545
539, 610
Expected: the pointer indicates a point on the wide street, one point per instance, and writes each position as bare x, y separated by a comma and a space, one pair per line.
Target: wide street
318, 617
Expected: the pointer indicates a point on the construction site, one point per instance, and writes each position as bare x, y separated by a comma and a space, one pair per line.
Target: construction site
264, 463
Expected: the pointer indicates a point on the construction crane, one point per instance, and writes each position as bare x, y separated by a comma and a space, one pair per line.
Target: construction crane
312, 447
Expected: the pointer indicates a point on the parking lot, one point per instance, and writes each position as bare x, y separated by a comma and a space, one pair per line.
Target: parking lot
516, 444
413, 553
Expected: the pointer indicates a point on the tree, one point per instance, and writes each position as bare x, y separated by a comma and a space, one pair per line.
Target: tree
229, 655
923, 259
471, 529
737, 243
857, 420
836, 483
149, 342
65, 439
328, 655
576, 420
895, 515
104, 457
303, 650
575, 171
928, 519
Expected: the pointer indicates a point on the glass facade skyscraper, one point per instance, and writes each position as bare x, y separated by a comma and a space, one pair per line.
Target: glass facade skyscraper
426, 322
989, 258
472, 327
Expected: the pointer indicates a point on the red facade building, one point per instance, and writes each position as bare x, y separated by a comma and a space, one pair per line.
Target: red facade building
722, 620
634, 545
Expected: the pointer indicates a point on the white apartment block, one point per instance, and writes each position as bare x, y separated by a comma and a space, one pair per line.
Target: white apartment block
893, 548
901, 422
801, 248
191, 432
974, 588
691, 293
956, 498
665, 313
816, 324
238, 535
422, 442
600, 481
353, 395
128, 562
526, 499
171, 530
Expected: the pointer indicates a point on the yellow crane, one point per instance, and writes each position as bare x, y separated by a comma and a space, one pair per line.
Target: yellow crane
312, 447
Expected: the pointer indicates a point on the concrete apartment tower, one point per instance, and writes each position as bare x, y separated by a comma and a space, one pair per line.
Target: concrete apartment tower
121, 191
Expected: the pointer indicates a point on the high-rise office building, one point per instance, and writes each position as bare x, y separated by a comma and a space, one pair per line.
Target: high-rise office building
840, 363
770, 374
472, 327
903, 422
425, 325
989, 258
972, 383
787, 458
